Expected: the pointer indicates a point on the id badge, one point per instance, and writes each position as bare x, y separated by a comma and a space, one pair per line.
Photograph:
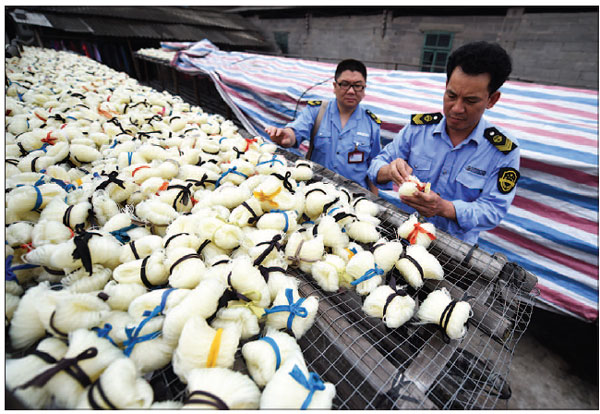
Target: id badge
356, 157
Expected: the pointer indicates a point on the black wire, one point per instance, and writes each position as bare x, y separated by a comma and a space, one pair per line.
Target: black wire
303, 93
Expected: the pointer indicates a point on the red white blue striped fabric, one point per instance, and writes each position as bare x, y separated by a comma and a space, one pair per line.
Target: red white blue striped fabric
551, 228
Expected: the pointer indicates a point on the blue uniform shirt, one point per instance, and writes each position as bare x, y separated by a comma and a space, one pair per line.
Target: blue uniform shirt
469, 175
334, 143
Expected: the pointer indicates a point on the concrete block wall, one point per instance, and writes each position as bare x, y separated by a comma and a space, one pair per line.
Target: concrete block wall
548, 48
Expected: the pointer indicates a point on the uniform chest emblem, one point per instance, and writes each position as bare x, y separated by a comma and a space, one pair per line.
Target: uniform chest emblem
507, 179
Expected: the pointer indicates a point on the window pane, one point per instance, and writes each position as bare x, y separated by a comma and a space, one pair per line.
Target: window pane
431, 40
443, 40
440, 61
427, 61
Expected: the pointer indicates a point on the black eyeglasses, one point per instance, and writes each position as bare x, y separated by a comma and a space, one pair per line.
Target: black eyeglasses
358, 87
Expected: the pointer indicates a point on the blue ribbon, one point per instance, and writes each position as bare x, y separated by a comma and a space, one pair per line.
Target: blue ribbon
312, 383
10, 270
273, 344
272, 161
231, 170
39, 182
20, 95
39, 199
122, 235
293, 308
114, 144
330, 212
221, 139
129, 155
132, 333
42, 148
103, 333
72, 117
368, 275
67, 187
285, 229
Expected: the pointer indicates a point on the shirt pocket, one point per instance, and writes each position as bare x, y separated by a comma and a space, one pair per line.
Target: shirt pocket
323, 140
355, 142
421, 167
472, 184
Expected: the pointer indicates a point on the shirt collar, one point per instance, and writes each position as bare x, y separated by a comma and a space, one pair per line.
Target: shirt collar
354, 118
475, 135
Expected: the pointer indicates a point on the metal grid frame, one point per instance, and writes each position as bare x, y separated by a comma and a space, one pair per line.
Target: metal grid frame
411, 367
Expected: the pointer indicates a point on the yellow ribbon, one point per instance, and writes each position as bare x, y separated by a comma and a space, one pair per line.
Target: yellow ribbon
350, 253
268, 197
255, 309
211, 360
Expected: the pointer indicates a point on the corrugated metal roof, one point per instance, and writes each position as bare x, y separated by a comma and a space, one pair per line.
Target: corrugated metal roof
162, 23
69, 24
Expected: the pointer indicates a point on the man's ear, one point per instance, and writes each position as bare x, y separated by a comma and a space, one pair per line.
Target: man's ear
493, 99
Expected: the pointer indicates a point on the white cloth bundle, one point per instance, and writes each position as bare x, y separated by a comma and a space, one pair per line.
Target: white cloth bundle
367, 276
201, 301
11, 302
49, 232
333, 236
114, 325
285, 221
66, 390
140, 248
156, 212
221, 388
19, 233
120, 295
346, 253
186, 268
80, 281
428, 266
265, 355
104, 207
291, 311
246, 213
201, 346
302, 171
120, 386
248, 281
293, 387
395, 307
230, 195
363, 231
317, 196
363, 205
269, 163
228, 236
166, 170
279, 281
452, 316
412, 185
26, 326
417, 233
303, 250
150, 271
28, 198
272, 195
328, 272
387, 253
150, 300
21, 370
236, 171
153, 353
238, 313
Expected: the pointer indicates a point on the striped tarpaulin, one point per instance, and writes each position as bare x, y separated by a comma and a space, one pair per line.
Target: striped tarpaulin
552, 227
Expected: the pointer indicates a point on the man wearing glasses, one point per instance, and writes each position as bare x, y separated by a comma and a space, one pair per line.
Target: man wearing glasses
348, 135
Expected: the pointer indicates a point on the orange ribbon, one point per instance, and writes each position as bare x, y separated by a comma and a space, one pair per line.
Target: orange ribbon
248, 142
267, 197
139, 168
50, 140
107, 114
162, 187
412, 236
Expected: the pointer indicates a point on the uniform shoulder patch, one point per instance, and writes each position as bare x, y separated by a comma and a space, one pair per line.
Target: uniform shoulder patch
373, 116
507, 179
314, 103
498, 140
426, 119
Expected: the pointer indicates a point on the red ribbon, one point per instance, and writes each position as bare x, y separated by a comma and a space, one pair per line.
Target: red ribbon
139, 168
412, 236
248, 142
49, 139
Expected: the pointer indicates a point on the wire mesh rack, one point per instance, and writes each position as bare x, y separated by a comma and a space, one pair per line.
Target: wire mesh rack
411, 367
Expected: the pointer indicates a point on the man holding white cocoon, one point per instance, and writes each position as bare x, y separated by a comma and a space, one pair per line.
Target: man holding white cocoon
471, 165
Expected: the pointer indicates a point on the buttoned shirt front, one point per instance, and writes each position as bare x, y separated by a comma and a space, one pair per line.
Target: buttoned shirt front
333, 144
467, 175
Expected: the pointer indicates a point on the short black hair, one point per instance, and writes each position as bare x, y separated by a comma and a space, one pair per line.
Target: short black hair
482, 57
353, 65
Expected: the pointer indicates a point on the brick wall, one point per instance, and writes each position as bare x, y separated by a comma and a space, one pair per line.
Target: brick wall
548, 48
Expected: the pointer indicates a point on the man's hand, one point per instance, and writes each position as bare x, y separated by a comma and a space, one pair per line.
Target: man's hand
430, 204
397, 171
282, 136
